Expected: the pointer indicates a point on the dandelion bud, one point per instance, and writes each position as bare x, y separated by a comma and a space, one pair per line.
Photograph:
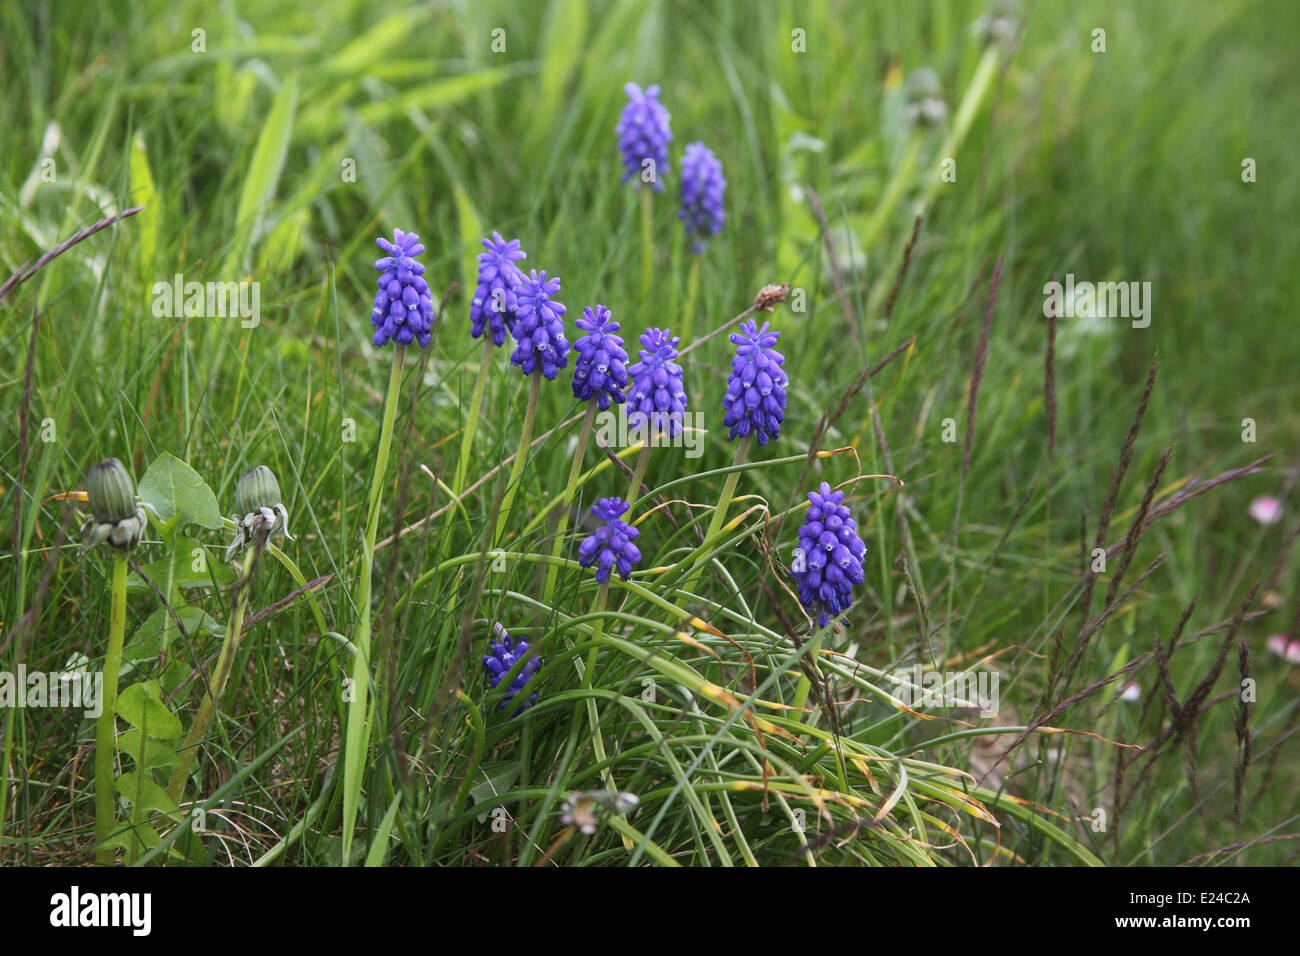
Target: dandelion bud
116, 517
257, 489
111, 491
261, 513
925, 105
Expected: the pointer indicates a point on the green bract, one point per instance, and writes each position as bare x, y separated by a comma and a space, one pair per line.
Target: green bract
257, 489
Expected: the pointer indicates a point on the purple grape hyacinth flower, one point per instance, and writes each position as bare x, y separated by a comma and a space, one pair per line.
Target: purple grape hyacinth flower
503, 655
755, 399
539, 326
600, 372
828, 561
403, 306
644, 134
703, 188
493, 306
610, 547
658, 398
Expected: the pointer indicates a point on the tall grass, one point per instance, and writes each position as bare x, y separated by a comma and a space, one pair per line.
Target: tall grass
1123, 165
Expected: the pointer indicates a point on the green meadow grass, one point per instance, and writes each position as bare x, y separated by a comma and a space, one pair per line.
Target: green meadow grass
1117, 166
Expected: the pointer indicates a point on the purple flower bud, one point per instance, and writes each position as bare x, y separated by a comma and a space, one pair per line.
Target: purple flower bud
504, 654
832, 556
703, 188
755, 399
610, 547
493, 306
657, 394
600, 372
539, 327
403, 310
644, 134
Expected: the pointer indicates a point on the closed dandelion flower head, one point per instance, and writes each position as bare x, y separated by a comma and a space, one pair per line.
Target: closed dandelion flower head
503, 655
116, 518
703, 188
828, 562
658, 395
403, 306
610, 548
924, 104
260, 515
755, 399
644, 135
494, 304
600, 371
539, 327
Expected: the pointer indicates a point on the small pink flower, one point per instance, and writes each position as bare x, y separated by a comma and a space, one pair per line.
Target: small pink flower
1266, 510
1289, 651
1131, 691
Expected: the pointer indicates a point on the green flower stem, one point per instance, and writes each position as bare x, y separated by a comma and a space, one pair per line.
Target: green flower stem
521, 458
217, 686
566, 501
471, 424
980, 82
106, 728
357, 738
724, 501
588, 682
692, 292
894, 191
638, 476
804, 686
647, 241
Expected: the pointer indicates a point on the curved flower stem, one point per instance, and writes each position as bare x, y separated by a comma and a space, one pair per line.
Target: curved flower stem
521, 457
471, 424
589, 677
357, 734
647, 241
189, 751
566, 501
724, 501
106, 728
